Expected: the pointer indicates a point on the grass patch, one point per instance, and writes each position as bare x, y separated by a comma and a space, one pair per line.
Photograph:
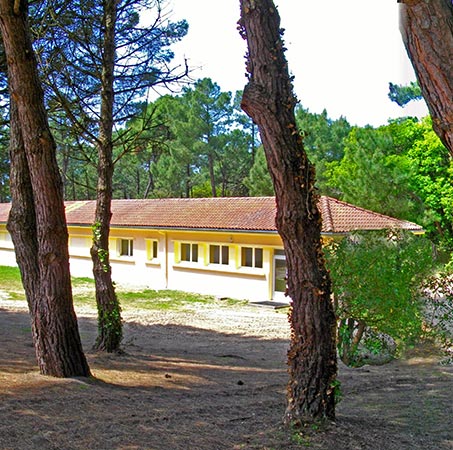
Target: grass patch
84, 295
11, 283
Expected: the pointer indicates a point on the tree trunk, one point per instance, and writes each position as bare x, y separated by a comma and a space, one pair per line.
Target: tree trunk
22, 218
109, 316
427, 30
269, 101
211, 173
37, 221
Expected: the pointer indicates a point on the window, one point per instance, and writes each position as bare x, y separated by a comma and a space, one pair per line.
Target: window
5, 240
252, 257
80, 242
219, 254
189, 252
152, 249
126, 247
80, 245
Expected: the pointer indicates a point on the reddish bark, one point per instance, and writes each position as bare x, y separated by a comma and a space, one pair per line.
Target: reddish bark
268, 99
427, 30
37, 221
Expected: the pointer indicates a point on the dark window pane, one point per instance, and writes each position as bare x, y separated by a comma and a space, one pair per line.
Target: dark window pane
185, 252
247, 257
194, 252
225, 254
214, 254
259, 258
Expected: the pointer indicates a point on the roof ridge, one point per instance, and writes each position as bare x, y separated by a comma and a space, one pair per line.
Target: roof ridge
369, 211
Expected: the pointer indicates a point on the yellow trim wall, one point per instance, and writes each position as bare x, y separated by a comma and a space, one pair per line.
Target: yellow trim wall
169, 270
226, 276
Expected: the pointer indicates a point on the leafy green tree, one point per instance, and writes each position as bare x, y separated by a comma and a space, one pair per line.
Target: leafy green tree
259, 181
210, 115
416, 168
432, 182
148, 137
403, 94
324, 140
98, 60
207, 150
234, 164
376, 279
373, 175
180, 168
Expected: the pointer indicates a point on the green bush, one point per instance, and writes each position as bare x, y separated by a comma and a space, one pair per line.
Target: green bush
376, 279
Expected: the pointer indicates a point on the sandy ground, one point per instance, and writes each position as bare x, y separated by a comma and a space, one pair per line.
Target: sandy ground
209, 379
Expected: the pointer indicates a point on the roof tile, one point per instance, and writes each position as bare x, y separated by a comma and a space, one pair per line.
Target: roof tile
225, 213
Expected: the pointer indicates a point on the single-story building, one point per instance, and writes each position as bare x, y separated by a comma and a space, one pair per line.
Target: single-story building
227, 247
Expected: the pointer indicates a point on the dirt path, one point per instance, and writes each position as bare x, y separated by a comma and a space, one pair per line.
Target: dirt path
208, 380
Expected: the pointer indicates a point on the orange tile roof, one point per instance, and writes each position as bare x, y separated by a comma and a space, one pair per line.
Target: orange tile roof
224, 213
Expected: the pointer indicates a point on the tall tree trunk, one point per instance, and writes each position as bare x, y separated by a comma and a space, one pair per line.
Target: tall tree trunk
427, 30
269, 101
211, 173
22, 218
37, 221
109, 316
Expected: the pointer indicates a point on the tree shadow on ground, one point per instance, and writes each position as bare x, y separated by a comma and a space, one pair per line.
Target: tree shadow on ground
184, 387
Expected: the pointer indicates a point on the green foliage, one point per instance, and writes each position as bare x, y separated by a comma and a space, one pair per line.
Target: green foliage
401, 170
208, 147
402, 95
259, 181
432, 182
376, 279
324, 141
337, 391
103, 253
372, 175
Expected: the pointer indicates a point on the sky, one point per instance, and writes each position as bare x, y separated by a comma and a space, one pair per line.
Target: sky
343, 54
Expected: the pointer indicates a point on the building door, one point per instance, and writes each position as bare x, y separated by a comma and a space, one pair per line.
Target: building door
279, 276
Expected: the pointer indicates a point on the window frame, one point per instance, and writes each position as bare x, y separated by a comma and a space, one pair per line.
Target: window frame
219, 252
152, 249
256, 257
129, 253
192, 256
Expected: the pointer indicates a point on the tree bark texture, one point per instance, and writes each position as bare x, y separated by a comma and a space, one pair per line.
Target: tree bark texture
37, 221
268, 99
109, 316
427, 30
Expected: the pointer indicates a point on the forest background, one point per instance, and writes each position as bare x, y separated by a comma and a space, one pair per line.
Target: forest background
198, 143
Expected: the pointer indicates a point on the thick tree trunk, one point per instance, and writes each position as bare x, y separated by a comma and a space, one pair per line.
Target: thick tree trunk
427, 30
109, 316
37, 221
269, 101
